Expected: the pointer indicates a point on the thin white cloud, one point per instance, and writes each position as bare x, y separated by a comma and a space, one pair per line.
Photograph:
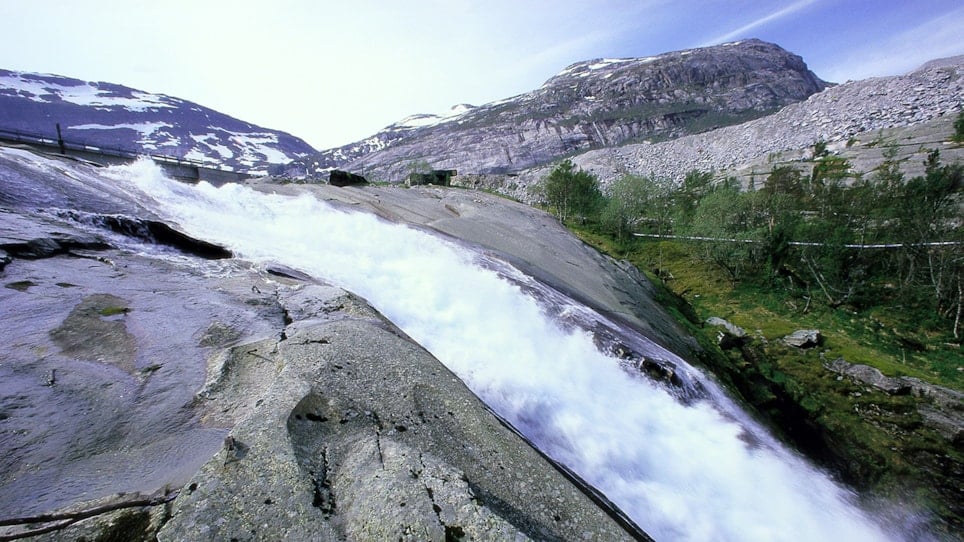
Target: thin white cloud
937, 38
766, 19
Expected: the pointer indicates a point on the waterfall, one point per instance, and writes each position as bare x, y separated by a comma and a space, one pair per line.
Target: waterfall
696, 469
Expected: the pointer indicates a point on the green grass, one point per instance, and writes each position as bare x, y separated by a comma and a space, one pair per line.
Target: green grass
113, 311
888, 338
872, 440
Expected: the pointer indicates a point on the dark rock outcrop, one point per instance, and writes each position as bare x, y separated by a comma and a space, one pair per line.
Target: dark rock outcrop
343, 178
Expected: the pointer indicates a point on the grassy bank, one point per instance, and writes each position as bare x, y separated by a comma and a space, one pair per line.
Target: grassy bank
875, 441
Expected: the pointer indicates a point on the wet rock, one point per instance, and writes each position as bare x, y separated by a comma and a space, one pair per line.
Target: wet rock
152, 231
340, 426
219, 334
663, 371
622, 351
47, 247
95, 331
532, 240
97, 386
287, 272
804, 338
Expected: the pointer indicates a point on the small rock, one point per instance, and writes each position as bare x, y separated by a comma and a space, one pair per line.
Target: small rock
622, 351
804, 338
665, 371
732, 336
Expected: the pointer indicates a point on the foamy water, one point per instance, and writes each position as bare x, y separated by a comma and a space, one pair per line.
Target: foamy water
681, 471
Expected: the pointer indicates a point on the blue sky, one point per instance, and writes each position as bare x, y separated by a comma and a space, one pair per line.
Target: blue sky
333, 72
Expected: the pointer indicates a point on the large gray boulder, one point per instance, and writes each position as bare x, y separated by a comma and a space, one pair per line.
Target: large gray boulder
268, 406
347, 430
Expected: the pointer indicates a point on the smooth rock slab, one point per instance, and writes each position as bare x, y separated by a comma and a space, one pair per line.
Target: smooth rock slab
363, 435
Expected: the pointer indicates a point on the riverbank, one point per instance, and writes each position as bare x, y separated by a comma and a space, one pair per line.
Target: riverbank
881, 414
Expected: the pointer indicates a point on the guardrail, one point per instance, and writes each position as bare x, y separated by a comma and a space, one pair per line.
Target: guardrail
62, 145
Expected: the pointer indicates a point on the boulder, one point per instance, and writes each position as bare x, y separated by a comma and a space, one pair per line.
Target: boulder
731, 336
343, 178
942, 411
870, 376
804, 338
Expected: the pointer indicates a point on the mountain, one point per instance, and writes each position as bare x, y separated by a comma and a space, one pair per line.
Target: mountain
116, 117
859, 120
591, 104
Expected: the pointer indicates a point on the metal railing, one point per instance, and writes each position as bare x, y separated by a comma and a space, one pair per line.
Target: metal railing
19, 136
799, 243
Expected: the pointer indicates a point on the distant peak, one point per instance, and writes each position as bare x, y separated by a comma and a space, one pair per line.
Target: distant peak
421, 120
586, 67
948, 62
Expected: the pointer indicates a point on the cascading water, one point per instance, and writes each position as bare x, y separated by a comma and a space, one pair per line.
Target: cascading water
682, 470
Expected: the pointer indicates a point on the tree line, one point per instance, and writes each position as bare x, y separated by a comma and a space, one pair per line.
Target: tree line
829, 234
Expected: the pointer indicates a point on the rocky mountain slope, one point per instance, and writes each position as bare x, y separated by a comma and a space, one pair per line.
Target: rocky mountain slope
859, 120
116, 117
851, 114
591, 104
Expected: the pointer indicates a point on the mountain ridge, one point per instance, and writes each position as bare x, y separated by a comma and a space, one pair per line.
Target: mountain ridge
109, 115
859, 119
590, 104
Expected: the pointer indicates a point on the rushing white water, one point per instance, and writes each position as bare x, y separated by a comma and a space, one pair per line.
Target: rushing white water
681, 471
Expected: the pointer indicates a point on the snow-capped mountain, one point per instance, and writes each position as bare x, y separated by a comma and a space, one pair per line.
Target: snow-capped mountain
330, 159
112, 116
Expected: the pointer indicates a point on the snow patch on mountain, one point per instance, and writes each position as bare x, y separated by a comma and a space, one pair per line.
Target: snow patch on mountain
211, 141
38, 88
429, 119
121, 119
